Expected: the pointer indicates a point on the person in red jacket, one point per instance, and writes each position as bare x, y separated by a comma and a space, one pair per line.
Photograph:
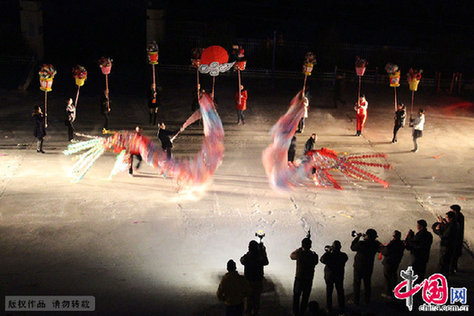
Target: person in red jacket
242, 105
361, 109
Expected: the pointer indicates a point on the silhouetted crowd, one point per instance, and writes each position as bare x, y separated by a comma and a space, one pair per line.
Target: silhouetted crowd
241, 294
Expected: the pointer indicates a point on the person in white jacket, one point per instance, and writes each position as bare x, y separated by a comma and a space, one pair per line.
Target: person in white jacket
417, 125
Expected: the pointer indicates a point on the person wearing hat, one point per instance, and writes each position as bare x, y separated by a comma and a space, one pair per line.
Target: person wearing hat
458, 252
335, 260
419, 245
364, 262
448, 230
393, 253
233, 289
306, 260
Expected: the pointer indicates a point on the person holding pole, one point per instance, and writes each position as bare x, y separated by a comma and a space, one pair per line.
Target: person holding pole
241, 104
70, 118
361, 116
105, 108
400, 116
40, 128
153, 104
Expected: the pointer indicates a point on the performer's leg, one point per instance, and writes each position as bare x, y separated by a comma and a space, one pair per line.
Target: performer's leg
139, 158
39, 144
415, 148
395, 131
130, 169
358, 124
362, 124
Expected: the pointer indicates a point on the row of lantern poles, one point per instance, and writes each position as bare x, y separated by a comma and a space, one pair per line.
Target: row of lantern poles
214, 60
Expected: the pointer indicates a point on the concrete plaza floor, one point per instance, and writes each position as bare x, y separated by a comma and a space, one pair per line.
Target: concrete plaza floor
140, 246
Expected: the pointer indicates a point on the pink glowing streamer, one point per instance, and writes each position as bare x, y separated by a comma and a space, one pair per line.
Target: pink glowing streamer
316, 165
193, 171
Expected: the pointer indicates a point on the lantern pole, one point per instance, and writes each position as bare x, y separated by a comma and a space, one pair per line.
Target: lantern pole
395, 90
77, 95
213, 84
46, 108
197, 80
154, 80
412, 101
240, 85
304, 83
107, 91
358, 94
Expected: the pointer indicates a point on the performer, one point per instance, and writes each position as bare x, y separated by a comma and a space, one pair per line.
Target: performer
135, 151
361, 109
301, 123
242, 106
417, 125
105, 110
153, 104
40, 128
70, 118
309, 145
400, 116
292, 150
164, 136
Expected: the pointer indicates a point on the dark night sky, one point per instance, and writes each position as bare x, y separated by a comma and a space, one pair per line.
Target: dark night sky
88, 29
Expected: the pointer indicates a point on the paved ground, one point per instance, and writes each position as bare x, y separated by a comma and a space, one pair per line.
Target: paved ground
141, 247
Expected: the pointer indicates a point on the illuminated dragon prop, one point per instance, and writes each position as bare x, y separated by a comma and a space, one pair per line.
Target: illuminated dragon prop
317, 164
196, 171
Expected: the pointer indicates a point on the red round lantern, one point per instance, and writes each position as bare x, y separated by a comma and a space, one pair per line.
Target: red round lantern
214, 54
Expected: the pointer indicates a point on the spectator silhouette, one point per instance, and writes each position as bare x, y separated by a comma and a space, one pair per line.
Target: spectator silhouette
448, 230
335, 260
232, 290
306, 260
419, 245
253, 262
364, 262
393, 253
458, 252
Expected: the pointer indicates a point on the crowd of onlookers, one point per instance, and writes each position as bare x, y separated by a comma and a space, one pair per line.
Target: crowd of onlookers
241, 293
